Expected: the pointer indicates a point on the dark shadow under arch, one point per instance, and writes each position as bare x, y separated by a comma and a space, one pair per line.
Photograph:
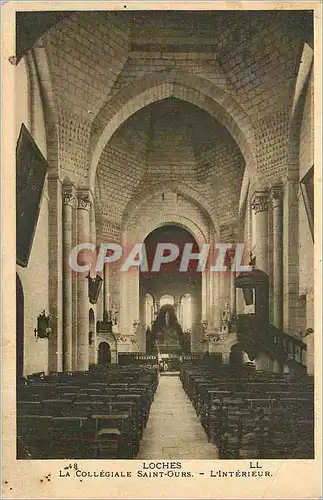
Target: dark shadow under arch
104, 354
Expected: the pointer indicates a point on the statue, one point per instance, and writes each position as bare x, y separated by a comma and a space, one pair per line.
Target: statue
113, 315
167, 318
226, 319
252, 260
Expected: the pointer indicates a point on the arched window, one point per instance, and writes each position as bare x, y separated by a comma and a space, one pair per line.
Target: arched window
185, 312
149, 310
166, 299
253, 229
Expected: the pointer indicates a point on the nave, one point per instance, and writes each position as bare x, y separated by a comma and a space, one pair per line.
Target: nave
174, 430
186, 137
135, 412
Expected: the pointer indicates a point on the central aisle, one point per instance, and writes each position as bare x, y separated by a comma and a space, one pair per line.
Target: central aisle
173, 430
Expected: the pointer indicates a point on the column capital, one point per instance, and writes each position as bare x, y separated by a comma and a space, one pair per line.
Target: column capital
84, 199
68, 195
259, 201
277, 193
53, 176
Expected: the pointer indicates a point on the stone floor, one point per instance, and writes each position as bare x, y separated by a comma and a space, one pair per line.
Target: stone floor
173, 430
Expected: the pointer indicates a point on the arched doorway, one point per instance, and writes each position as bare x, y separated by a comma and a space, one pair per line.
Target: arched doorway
174, 289
104, 356
19, 328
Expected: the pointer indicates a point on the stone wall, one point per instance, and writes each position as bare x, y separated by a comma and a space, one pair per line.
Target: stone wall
163, 130
305, 244
35, 277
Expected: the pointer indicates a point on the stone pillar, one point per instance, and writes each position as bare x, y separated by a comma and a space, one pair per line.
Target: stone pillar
290, 257
92, 321
176, 305
204, 295
233, 299
68, 205
84, 203
178, 311
277, 274
224, 289
74, 295
210, 298
249, 227
259, 203
55, 291
106, 291
216, 309
232, 289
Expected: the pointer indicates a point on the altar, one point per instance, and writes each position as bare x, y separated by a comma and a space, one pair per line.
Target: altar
168, 339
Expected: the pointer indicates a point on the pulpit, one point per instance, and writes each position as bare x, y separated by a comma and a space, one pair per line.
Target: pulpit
256, 335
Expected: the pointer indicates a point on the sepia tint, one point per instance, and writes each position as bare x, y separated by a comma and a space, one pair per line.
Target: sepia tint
186, 135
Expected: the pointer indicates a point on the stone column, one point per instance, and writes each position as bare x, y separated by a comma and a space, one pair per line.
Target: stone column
178, 311
55, 290
216, 309
233, 299
225, 290
259, 203
204, 296
106, 291
74, 295
68, 205
84, 202
290, 257
277, 275
92, 327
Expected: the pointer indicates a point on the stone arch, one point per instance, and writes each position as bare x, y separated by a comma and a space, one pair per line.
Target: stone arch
40, 58
171, 83
180, 221
136, 233
129, 283
296, 116
243, 204
180, 188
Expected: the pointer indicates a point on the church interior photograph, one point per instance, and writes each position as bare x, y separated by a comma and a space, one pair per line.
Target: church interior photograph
164, 234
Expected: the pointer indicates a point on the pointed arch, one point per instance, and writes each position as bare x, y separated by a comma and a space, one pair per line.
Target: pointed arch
171, 83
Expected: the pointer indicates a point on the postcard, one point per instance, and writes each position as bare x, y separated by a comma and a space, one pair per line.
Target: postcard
162, 243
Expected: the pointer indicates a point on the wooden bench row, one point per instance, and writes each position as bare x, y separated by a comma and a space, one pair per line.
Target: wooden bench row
258, 415
84, 417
